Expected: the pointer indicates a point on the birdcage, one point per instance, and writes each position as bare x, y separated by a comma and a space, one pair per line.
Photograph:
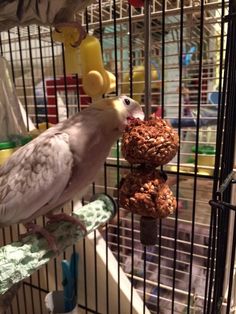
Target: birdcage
177, 58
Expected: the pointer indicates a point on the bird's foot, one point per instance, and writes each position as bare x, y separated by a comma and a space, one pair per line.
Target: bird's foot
32, 228
65, 217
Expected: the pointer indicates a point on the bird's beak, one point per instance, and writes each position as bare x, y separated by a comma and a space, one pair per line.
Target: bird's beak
138, 113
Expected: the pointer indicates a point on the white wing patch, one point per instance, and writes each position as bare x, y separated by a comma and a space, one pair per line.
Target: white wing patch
35, 175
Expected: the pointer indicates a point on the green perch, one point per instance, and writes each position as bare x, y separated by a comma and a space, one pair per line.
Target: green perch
19, 260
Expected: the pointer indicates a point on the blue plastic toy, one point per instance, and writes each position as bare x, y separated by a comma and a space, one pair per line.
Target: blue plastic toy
70, 279
187, 57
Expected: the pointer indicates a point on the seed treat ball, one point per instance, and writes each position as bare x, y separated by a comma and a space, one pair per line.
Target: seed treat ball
144, 192
152, 142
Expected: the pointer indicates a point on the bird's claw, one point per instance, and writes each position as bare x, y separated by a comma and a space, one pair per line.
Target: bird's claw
65, 217
36, 229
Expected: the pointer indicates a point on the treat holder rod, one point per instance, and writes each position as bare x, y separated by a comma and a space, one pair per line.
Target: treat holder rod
19, 260
148, 225
147, 59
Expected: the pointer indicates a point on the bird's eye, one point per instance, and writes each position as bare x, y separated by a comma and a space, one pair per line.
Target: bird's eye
127, 101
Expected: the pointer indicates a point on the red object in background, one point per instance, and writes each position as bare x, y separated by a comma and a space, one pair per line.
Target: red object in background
63, 84
158, 112
136, 3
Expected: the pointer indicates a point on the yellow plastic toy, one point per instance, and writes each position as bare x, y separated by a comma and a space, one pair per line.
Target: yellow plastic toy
70, 34
138, 81
7, 148
84, 56
96, 80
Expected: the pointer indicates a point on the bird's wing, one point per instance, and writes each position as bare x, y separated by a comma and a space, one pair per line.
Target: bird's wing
34, 176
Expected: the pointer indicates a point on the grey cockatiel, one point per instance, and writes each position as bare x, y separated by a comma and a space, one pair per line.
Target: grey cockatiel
62, 161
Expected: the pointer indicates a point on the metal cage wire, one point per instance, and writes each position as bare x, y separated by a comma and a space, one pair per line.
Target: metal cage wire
194, 91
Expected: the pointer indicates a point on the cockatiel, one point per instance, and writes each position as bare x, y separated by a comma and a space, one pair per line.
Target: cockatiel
47, 172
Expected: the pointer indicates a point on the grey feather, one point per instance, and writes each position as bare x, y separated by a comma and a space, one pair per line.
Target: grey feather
28, 178
48, 12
